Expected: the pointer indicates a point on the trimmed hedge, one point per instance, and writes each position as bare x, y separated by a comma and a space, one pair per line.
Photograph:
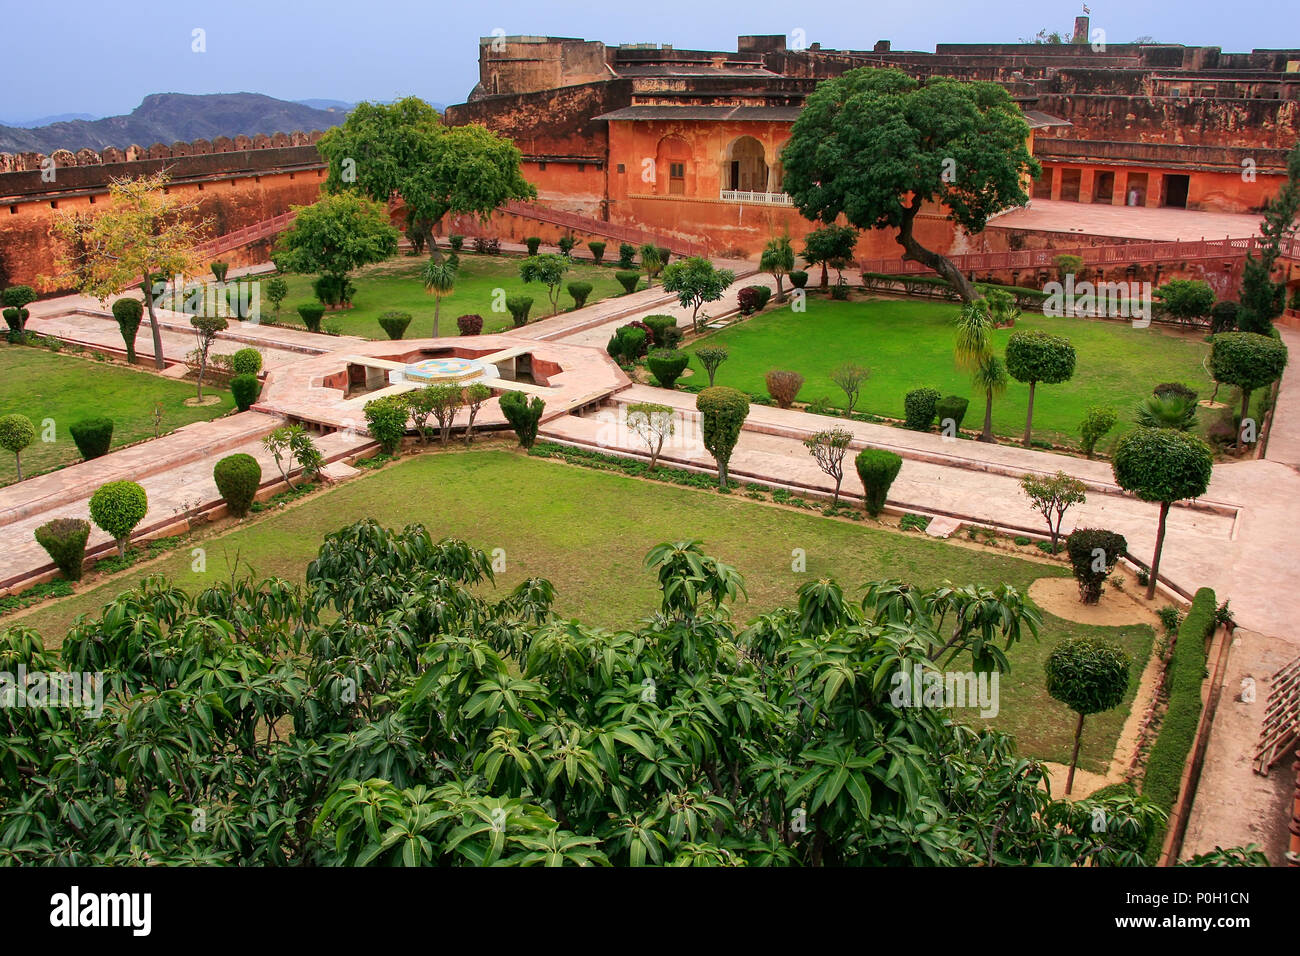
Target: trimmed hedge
394, 323
92, 436
471, 324
311, 313
664, 330
597, 249
1082, 546
245, 389
518, 307
723, 412
238, 477
951, 407
628, 279
667, 365
877, 468
64, 540
386, 421
117, 507
579, 291
533, 243
128, 313
1183, 680
798, 278
627, 256
523, 415
919, 408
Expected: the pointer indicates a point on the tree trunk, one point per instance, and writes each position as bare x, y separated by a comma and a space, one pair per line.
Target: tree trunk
1160, 543
203, 366
987, 434
1029, 418
780, 290
1074, 758
916, 252
437, 308
158, 361
18, 463
835, 501
824, 282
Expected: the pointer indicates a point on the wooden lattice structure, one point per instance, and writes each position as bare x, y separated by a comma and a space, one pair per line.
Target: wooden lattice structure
1281, 726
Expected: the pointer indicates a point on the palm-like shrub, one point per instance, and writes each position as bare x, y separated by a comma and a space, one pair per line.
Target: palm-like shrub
1166, 411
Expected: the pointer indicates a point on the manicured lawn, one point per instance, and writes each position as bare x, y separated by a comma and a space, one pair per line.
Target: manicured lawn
66, 388
396, 285
909, 344
588, 532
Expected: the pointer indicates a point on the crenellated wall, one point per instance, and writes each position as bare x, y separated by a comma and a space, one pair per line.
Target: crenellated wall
236, 183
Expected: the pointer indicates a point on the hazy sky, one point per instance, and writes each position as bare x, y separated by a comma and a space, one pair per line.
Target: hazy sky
90, 56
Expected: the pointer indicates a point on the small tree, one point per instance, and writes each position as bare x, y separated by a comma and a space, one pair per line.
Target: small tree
597, 249
206, 330
991, 379
475, 396
335, 235
1187, 300
651, 263
16, 433
292, 443
828, 449
1248, 361
439, 278
238, 477
549, 270
653, 424
828, 245
696, 281
1052, 497
1093, 555
1162, 465
778, 259
386, 421
128, 313
849, 377
1096, 423
627, 256
722, 413
15, 299
1088, 676
523, 414
446, 401
974, 335
1035, 356
877, 468
276, 291
711, 356
116, 508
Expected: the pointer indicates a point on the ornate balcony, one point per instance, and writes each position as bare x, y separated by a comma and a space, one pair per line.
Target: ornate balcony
761, 199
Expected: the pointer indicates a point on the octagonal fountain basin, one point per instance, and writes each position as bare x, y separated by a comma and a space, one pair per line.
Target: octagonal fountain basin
444, 371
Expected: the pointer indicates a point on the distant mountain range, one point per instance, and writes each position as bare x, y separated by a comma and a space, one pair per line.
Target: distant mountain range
172, 117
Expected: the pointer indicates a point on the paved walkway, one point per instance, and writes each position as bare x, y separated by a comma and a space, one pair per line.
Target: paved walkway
1128, 222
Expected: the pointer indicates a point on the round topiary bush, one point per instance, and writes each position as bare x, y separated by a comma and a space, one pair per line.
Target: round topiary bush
16, 433
628, 279
15, 299
597, 249
664, 330
533, 243
64, 540
386, 421
92, 436
471, 324
798, 278
667, 365
246, 361
245, 389
1093, 555
580, 291
394, 324
920, 406
518, 306
116, 508
238, 478
877, 468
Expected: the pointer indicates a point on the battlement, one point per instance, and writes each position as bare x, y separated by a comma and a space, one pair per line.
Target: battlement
63, 158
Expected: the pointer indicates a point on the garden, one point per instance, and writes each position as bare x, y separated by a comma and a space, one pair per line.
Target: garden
71, 388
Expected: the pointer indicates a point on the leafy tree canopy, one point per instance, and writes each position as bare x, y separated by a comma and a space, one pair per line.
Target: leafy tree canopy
335, 235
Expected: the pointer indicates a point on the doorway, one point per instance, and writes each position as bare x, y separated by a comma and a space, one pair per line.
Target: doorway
1103, 188
1176, 191
1070, 180
1137, 190
1043, 184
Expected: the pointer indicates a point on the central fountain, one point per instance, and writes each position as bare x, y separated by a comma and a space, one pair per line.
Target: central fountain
444, 371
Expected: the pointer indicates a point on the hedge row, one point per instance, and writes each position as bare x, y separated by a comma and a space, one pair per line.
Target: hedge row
1183, 680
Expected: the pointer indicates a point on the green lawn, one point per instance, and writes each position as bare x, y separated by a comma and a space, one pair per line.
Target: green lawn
588, 531
395, 285
909, 344
65, 388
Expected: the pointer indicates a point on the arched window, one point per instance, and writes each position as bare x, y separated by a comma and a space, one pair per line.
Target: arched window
744, 166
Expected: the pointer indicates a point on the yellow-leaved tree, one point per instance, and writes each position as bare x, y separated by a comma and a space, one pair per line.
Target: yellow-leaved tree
143, 235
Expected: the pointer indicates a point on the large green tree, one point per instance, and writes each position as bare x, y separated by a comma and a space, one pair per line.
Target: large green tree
874, 146
1262, 299
403, 149
392, 709
335, 235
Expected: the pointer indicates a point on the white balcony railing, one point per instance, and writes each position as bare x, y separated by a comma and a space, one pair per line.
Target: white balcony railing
762, 199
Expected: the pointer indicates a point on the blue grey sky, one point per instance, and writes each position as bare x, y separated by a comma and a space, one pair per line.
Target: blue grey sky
87, 56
